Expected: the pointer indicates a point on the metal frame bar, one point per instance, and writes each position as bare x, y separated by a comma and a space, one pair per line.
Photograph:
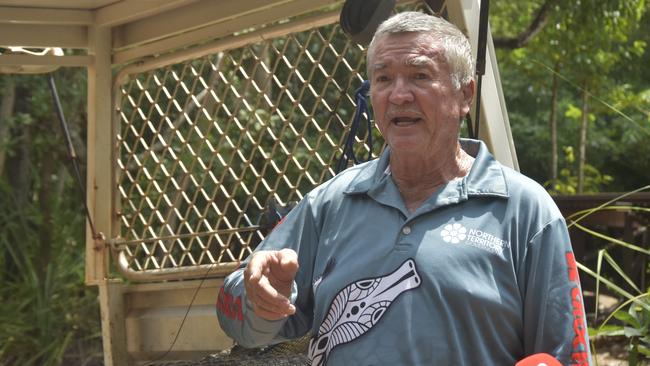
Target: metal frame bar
496, 132
495, 128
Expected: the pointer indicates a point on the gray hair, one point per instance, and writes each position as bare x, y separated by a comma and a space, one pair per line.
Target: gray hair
455, 45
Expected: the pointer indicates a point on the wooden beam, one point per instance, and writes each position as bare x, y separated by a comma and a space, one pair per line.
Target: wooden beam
99, 166
36, 35
206, 12
188, 18
114, 336
223, 30
131, 10
16, 15
226, 43
46, 60
153, 315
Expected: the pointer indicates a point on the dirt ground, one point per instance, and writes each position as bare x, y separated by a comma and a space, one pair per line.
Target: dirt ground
610, 351
612, 354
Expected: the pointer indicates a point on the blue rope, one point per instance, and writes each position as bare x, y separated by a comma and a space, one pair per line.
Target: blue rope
348, 149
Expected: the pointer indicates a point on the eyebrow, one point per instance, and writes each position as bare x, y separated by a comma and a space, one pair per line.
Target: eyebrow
378, 66
418, 61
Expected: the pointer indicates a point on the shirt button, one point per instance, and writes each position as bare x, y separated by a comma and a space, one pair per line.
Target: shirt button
406, 230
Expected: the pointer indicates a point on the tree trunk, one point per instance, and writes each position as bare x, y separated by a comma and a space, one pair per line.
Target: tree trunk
45, 228
584, 125
537, 25
6, 112
19, 166
17, 176
553, 124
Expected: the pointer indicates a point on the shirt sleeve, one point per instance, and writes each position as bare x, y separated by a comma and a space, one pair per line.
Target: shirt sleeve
554, 315
236, 316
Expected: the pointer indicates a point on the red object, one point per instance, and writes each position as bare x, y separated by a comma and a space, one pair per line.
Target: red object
539, 359
229, 305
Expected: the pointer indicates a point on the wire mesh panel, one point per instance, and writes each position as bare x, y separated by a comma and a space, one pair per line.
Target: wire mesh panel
203, 145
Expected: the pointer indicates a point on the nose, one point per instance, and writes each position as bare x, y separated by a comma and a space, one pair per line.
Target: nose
401, 92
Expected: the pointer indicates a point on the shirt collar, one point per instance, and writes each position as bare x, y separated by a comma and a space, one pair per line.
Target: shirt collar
486, 177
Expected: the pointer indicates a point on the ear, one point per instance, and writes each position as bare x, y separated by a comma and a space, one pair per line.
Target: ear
468, 95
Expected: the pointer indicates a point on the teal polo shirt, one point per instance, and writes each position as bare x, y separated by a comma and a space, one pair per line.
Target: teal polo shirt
482, 273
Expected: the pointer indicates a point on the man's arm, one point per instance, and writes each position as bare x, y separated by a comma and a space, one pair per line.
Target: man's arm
255, 301
268, 299
554, 314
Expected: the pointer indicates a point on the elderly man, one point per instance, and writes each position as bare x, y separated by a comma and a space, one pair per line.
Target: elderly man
433, 254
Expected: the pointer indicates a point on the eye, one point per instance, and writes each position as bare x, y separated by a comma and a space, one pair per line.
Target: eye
381, 78
421, 76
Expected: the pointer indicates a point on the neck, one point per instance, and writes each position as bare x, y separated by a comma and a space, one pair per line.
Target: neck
417, 178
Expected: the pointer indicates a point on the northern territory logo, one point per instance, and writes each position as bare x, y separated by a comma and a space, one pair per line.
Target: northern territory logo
453, 233
456, 233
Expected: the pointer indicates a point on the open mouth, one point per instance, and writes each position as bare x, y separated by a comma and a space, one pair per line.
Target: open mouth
405, 121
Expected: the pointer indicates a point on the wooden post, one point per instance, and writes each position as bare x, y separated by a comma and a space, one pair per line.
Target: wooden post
111, 301
99, 181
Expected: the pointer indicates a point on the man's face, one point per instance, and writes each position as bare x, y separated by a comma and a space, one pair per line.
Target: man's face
416, 106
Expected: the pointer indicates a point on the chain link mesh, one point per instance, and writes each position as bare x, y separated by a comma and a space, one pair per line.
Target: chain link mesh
203, 145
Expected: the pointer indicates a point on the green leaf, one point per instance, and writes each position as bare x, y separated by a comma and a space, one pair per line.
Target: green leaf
625, 317
573, 112
606, 330
644, 350
630, 332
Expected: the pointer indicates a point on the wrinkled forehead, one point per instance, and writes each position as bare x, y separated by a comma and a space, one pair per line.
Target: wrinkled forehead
411, 61
405, 49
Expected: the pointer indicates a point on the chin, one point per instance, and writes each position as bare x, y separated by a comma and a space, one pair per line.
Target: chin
405, 146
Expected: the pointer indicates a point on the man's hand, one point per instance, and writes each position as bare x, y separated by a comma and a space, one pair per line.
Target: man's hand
268, 278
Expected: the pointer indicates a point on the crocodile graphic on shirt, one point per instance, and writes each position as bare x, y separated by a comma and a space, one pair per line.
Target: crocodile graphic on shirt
358, 307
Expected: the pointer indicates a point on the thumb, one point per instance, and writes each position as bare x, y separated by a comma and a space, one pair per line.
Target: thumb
287, 265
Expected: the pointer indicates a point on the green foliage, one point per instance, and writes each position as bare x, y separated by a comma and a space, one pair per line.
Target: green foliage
567, 182
633, 314
636, 328
48, 316
598, 44
47, 313
575, 114
634, 325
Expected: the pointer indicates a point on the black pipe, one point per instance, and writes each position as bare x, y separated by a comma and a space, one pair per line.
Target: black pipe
480, 63
72, 155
